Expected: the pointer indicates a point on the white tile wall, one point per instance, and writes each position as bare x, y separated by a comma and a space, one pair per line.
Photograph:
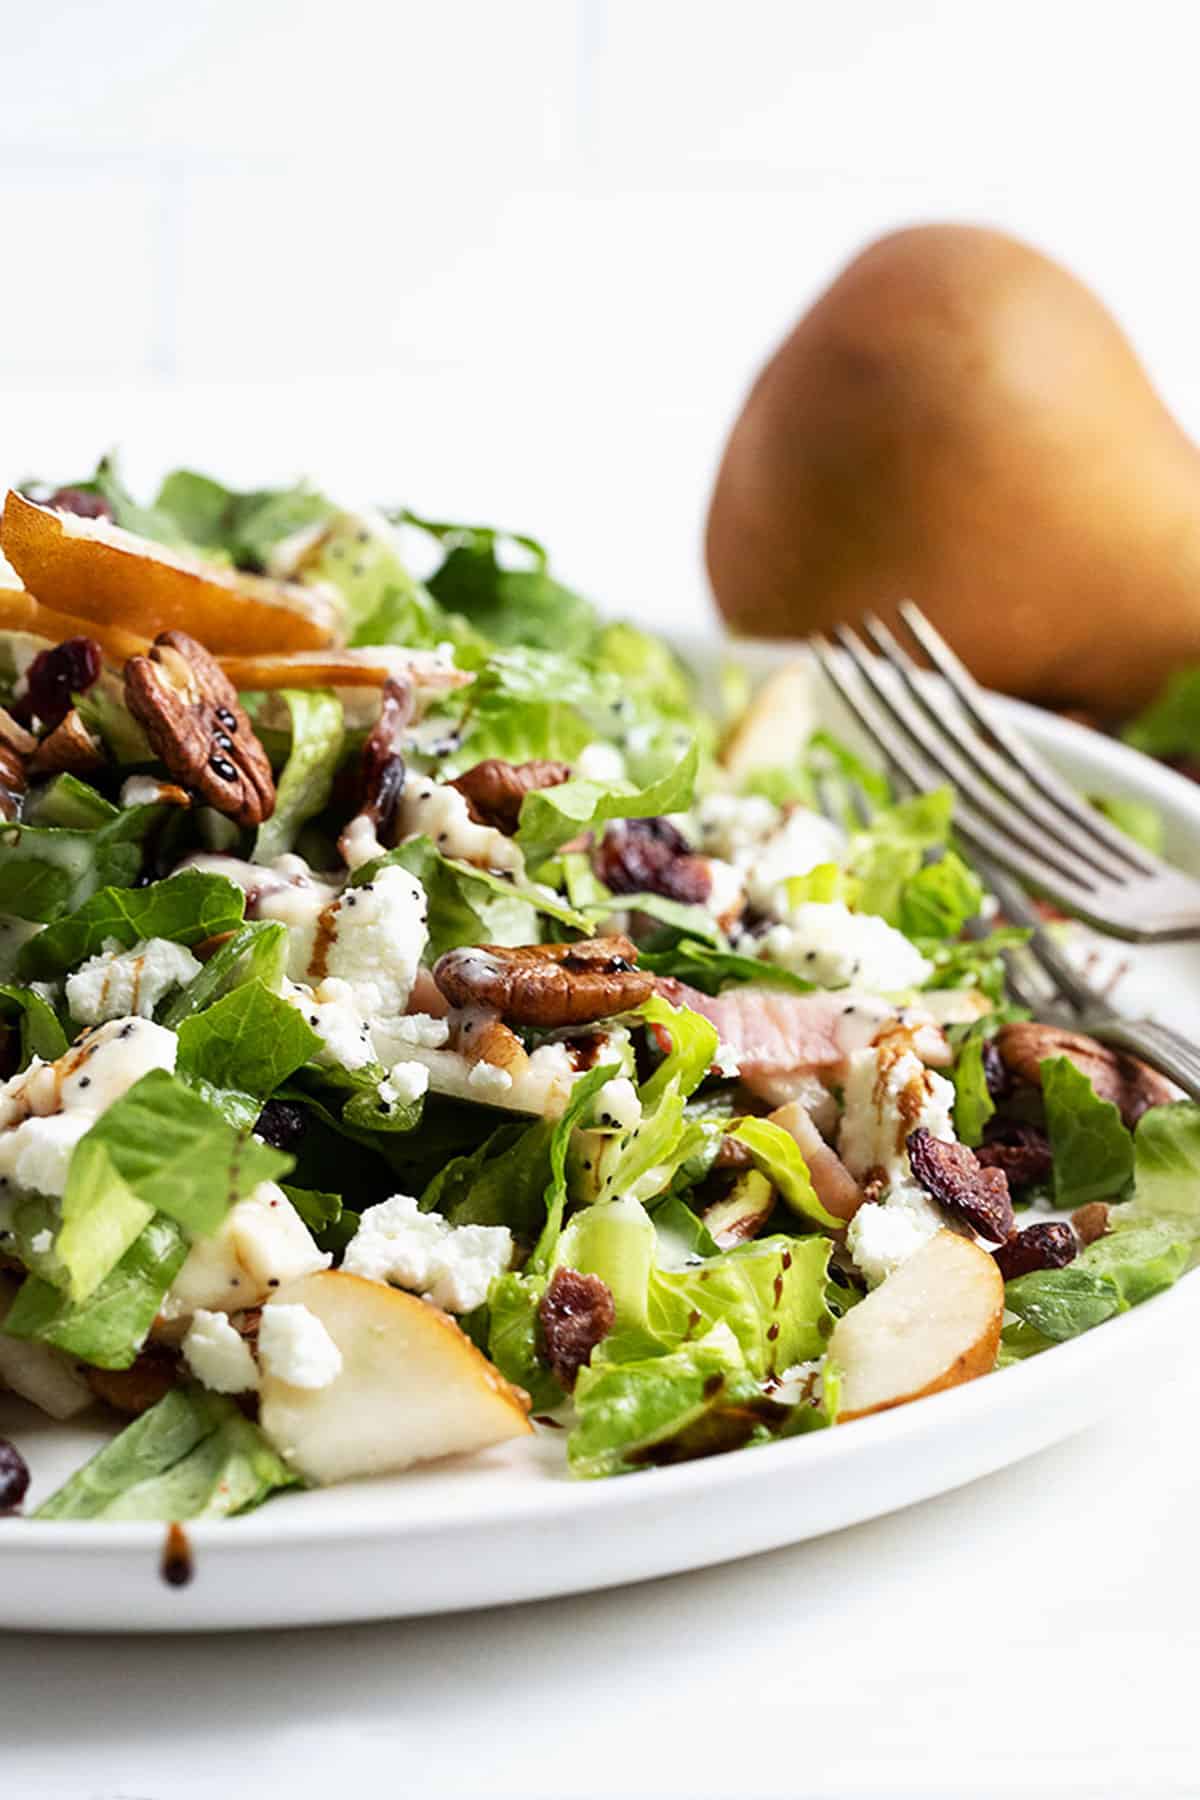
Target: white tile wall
520, 259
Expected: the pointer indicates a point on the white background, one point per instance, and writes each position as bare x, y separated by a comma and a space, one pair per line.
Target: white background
518, 261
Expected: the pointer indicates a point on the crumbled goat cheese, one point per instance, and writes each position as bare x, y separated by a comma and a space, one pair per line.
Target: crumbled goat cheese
728, 825
332, 1011
42, 1242
405, 1083
487, 1079
889, 1093
419, 1028
883, 1235
804, 840
218, 1355
261, 1243
453, 1266
617, 1104
370, 937
726, 1063
600, 762
45, 1110
833, 947
294, 1346
726, 893
119, 982
435, 810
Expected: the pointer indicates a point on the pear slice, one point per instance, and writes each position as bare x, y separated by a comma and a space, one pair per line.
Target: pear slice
93, 569
20, 612
934, 1323
412, 1386
368, 667
778, 722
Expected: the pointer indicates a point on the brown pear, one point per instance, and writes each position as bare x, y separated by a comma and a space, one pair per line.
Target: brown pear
958, 421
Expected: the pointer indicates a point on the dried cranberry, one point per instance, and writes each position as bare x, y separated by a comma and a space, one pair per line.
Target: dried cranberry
953, 1176
576, 1312
14, 1476
72, 667
649, 856
1051, 1245
281, 1124
1022, 1151
82, 502
996, 1072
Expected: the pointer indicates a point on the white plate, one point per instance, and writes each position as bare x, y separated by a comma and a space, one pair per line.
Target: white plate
510, 1525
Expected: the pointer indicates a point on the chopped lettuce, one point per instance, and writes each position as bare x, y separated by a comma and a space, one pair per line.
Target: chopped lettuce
318, 732
1166, 1147
257, 951
1134, 1262
108, 1328
521, 605
192, 1456
550, 817
1093, 1152
187, 908
46, 871
1170, 725
244, 1046
973, 1103
776, 1154
41, 1033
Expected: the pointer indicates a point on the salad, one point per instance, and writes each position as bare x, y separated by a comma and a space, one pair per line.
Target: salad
428, 1018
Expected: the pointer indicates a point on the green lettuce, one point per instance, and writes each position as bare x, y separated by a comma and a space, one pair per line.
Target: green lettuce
1170, 725
1166, 1147
187, 908
550, 817
69, 802
1134, 1262
46, 871
41, 1033
240, 528
192, 1456
257, 951
711, 969
318, 733
776, 1154
1093, 1152
109, 1328
973, 1104
521, 605
244, 1046
888, 855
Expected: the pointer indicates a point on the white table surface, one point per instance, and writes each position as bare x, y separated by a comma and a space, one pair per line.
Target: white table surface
1036, 1633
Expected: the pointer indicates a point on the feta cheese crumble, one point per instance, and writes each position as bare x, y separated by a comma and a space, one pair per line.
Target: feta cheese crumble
882, 1235
118, 983
617, 1104
294, 1346
435, 810
888, 1094
405, 1084
45, 1110
833, 947
453, 1266
804, 840
218, 1355
332, 1011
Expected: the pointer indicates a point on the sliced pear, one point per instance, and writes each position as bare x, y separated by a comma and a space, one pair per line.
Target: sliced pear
412, 1387
369, 667
93, 569
46, 1377
934, 1323
19, 611
778, 722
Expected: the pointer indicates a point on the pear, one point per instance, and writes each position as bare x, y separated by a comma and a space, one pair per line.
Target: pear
960, 422
412, 1386
92, 569
933, 1324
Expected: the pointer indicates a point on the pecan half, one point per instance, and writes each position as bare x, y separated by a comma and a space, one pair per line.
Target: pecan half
649, 856
1022, 1151
1051, 1245
1132, 1086
494, 789
139, 1387
576, 1312
1090, 1222
952, 1175
547, 984
189, 710
71, 747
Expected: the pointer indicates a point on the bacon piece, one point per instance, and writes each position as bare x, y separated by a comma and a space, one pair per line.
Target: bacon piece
771, 1031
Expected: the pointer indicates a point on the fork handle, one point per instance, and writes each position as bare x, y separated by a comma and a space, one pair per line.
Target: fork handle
1164, 1049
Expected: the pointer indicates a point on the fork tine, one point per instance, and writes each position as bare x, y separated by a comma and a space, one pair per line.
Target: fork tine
974, 749
920, 776
969, 695
977, 805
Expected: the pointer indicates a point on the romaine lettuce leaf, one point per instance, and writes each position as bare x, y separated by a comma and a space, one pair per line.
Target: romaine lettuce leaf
108, 1328
187, 908
550, 817
257, 951
973, 1104
1135, 1261
318, 733
1166, 1148
46, 871
888, 854
41, 1033
242, 528
67, 801
245, 1045
1093, 1152
693, 1048
509, 605
192, 1456
940, 898
776, 1154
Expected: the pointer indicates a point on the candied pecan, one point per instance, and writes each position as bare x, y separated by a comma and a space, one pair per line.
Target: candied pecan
952, 1175
1132, 1086
1022, 1151
494, 789
576, 1312
1090, 1222
189, 710
649, 856
546, 984
139, 1387
69, 746
1051, 1245
489, 1041
55, 676
80, 501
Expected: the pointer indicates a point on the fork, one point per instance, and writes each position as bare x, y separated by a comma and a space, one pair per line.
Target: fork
1011, 807
1066, 998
